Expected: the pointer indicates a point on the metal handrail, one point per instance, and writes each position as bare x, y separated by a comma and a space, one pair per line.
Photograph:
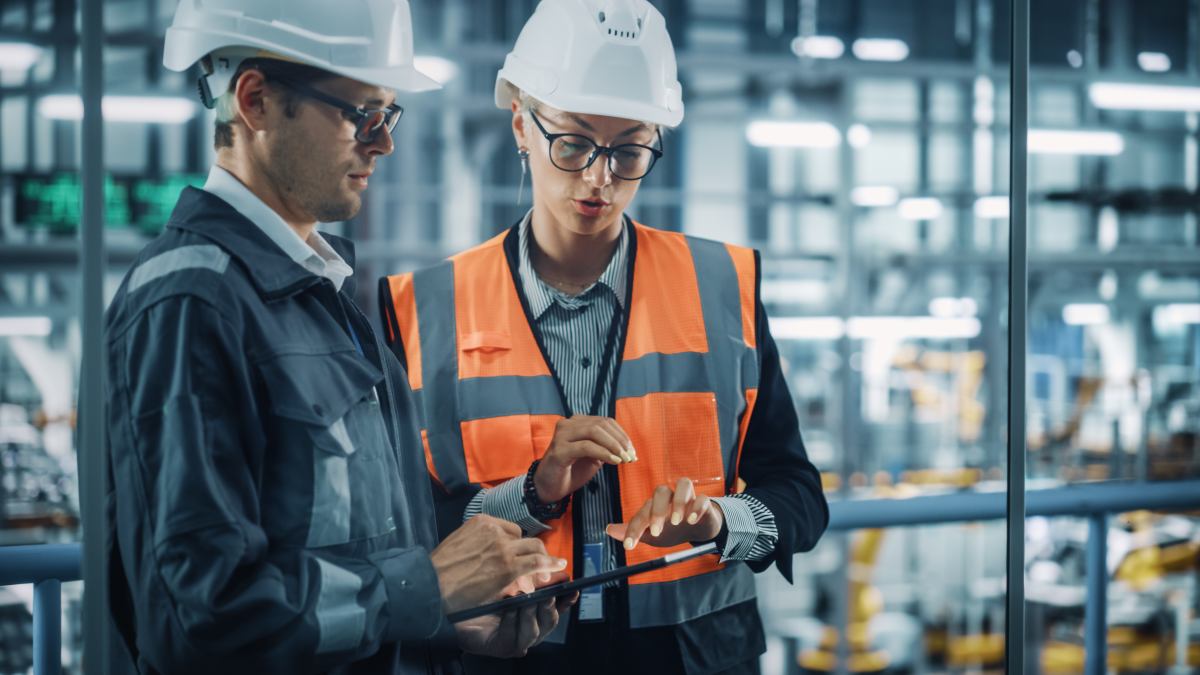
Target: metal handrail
48, 565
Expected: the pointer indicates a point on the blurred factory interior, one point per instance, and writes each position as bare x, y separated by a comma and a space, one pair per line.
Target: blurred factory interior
863, 146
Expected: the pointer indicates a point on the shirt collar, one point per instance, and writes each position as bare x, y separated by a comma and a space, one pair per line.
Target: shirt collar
541, 295
314, 255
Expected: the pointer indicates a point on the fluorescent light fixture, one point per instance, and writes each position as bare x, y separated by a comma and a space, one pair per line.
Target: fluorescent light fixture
1085, 314
1178, 314
858, 135
879, 196
950, 308
819, 47
1154, 62
1121, 96
24, 326
18, 56
1072, 142
794, 291
875, 327
441, 69
148, 109
780, 134
880, 49
920, 208
994, 208
914, 327
807, 328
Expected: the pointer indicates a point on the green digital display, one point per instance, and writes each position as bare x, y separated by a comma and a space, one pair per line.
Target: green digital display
53, 201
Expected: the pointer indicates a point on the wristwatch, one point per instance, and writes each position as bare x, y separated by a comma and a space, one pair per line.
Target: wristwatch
537, 508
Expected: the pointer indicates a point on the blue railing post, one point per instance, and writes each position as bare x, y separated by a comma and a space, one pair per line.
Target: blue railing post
1095, 637
47, 627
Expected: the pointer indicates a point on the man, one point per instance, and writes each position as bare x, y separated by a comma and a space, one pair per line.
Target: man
270, 510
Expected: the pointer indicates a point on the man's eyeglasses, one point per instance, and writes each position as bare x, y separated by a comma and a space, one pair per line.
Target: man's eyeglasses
368, 122
575, 152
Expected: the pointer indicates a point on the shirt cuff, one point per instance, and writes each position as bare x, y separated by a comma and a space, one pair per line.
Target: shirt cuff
414, 598
751, 527
507, 502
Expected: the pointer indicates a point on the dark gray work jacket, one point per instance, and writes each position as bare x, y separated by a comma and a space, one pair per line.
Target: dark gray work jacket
269, 506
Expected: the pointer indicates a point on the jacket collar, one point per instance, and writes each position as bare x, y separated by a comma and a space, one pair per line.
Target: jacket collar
272, 271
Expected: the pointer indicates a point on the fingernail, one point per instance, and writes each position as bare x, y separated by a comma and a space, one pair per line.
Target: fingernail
656, 529
693, 519
629, 544
676, 518
562, 563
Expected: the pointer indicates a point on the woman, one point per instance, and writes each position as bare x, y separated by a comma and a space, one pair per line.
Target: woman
609, 387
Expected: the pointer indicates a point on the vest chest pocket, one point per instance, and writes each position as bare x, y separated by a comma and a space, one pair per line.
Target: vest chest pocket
331, 405
500, 448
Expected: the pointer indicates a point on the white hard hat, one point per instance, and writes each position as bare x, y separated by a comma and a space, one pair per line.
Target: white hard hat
366, 40
597, 57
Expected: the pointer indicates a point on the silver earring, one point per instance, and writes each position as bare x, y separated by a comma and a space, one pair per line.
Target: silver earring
524, 155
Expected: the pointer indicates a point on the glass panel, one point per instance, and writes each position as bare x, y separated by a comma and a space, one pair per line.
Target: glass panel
1114, 329
888, 302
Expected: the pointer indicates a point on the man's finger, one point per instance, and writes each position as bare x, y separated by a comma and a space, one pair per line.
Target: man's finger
536, 563
527, 630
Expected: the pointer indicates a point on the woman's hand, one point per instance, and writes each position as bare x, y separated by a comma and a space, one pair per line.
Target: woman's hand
671, 517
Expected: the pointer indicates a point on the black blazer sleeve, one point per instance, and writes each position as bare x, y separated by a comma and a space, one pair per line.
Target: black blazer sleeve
775, 464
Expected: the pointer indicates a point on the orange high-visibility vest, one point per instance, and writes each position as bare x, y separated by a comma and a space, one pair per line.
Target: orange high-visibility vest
684, 392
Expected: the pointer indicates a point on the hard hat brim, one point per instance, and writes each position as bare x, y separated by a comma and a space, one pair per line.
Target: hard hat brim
190, 47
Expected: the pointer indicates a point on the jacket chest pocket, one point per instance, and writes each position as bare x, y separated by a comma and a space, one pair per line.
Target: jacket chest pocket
331, 403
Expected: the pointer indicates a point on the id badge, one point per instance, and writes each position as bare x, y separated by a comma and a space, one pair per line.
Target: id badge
591, 600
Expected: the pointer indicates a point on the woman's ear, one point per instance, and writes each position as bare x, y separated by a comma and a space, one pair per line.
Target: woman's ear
518, 124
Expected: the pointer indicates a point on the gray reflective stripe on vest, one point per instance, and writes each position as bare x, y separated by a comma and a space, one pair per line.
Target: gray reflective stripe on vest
679, 373
721, 302
341, 621
434, 291
486, 397
205, 256
673, 602
654, 373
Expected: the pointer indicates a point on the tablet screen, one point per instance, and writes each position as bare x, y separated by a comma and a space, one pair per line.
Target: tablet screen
569, 587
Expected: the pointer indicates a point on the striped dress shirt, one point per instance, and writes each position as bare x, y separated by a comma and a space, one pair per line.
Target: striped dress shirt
574, 330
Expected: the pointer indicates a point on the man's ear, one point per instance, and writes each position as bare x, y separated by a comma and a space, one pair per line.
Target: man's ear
251, 96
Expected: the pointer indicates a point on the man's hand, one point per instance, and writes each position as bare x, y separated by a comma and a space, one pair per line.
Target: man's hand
486, 556
581, 445
672, 517
513, 633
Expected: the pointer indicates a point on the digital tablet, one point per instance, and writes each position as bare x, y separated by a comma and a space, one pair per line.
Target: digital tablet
569, 587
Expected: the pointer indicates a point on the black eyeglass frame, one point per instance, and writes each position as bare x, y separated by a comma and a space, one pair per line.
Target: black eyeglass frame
597, 150
357, 114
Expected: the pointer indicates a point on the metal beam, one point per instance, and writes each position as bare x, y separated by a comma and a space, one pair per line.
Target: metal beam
1095, 634
1018, 317
47, 627
90, 444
